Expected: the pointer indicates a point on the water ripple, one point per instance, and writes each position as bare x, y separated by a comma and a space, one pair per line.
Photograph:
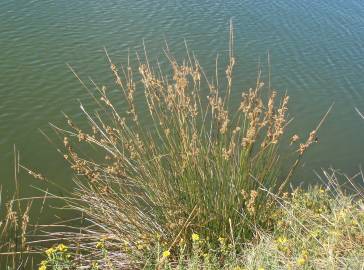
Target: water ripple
316, 49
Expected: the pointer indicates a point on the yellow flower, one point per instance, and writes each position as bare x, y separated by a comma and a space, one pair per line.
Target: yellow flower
140, 246
195, 237
100, 244
42, 267
261, 268
281, 240
222, 240
166, 254
301, 261
62, 248
50, 251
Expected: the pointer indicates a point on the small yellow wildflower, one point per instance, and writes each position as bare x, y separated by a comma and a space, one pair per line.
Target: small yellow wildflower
281, 240
166, 254
140, 246
50, 251
222, 240
301, 261
100, 244
195, 237
42, 267
62, 247
261, 268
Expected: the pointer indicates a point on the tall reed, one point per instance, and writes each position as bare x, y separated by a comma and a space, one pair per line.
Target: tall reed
15, 253
197, 167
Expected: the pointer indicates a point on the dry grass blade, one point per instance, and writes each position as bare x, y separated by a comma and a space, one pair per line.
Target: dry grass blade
360, 114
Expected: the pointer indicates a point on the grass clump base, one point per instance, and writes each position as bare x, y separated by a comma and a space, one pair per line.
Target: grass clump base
318, 228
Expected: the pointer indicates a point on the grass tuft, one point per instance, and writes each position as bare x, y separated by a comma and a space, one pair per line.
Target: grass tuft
197, 168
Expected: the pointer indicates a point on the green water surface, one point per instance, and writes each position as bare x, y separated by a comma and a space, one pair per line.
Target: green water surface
316, 49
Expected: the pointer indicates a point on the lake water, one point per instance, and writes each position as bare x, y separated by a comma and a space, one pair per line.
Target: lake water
316, 48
